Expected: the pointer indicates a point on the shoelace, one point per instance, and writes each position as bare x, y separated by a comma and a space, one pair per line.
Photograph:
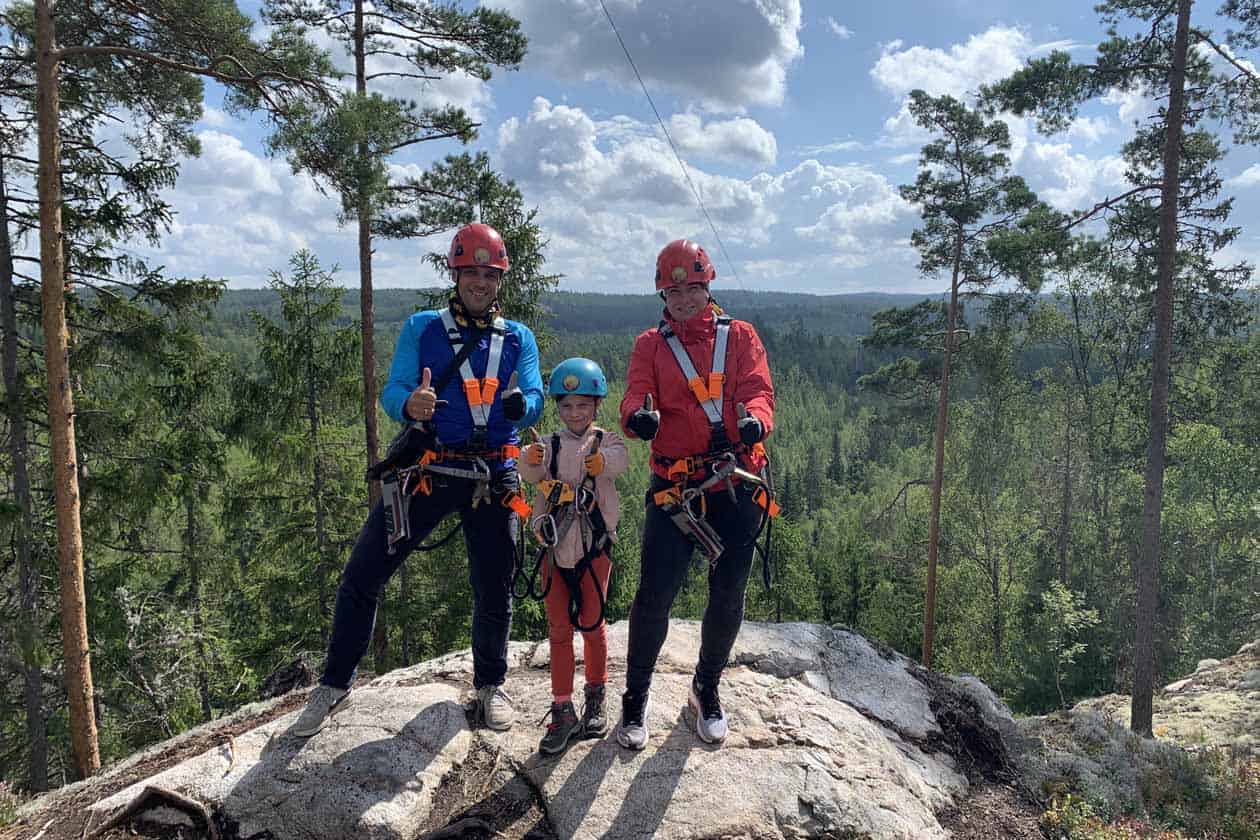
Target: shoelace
555, 724
710, 705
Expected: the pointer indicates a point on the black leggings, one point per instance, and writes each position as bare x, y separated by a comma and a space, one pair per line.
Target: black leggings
665, 556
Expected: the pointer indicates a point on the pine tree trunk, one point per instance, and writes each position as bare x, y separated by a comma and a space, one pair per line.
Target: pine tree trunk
1065, 514
74, 634
194, 598
938, 470
1142, 710
367, 316
28, 574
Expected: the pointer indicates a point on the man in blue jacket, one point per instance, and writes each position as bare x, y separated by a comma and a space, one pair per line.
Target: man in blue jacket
445, 381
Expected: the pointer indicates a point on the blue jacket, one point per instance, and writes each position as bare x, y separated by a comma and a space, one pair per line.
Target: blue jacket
422, 343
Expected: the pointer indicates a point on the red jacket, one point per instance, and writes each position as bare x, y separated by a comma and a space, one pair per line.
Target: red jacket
684, 426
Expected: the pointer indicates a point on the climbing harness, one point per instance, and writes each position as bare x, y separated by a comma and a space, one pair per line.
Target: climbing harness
685, 502
565, 507
415, 460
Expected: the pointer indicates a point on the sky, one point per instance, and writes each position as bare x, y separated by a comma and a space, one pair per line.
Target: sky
790, 116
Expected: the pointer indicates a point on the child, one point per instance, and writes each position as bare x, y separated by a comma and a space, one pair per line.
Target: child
575, 519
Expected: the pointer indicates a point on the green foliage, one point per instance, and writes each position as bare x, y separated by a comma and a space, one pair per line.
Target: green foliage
1211, 795
464, 188
1060, 626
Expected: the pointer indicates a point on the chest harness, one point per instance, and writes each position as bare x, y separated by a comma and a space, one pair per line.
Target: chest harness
684, 501
567, 506
415, 459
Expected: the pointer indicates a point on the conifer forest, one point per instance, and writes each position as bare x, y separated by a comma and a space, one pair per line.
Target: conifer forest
1057, 453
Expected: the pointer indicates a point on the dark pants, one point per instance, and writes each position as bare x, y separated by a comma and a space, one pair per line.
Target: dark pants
665, 556
488, 534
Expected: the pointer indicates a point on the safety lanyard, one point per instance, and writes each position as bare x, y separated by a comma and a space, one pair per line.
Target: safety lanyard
708, 394
480, 392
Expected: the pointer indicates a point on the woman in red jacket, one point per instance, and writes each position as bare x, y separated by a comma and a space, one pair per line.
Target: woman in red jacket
699, 389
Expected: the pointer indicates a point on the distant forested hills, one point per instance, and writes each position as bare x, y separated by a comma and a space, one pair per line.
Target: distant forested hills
577, 313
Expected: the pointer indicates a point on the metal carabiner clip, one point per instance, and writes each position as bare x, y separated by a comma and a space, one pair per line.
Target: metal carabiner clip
548, 533
586, 498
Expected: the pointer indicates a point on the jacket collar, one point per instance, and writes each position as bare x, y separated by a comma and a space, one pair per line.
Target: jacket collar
698, 327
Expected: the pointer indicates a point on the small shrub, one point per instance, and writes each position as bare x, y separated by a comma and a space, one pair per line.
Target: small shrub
1212, 794
9, 802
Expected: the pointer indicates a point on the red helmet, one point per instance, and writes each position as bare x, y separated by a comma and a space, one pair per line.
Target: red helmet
683, 261
477, 244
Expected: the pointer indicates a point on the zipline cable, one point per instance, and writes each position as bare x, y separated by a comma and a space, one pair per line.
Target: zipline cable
677, 156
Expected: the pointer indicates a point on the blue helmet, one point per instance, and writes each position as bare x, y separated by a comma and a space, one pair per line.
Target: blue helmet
577, 376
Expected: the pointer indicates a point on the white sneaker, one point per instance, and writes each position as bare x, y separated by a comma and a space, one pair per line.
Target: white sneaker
494, 707
710, 719
319, 707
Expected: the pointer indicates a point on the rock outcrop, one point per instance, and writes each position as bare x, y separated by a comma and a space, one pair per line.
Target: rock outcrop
831, 736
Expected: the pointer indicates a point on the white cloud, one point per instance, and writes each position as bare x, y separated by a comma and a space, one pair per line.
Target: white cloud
1249, 177
838, 146
212, 117
1070, 181
239, 216
839, 29
958, 71
726, 54
457, 89
610, 194
738, 140
1131, 105
1090, 129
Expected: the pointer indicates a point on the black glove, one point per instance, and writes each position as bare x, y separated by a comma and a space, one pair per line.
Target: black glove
645, 422
514, 405
750, 429
404, 450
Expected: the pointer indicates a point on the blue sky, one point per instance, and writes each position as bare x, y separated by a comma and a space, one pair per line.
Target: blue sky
789, 113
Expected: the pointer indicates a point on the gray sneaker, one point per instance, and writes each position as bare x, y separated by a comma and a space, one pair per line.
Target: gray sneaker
494, 707
633, 733
710, 719
564, 727
320, 705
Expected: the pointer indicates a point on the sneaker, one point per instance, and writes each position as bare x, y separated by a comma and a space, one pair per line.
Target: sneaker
594, 721
710, 719
564, 727
319, 707
494, 707
633, 733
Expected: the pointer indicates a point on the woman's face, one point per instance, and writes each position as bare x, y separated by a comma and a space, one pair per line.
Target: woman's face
478, 286
577, 412
684, 302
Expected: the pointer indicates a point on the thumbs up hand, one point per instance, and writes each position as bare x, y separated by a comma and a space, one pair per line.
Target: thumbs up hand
423, 400
534, 450
513, 400
645, 422
750, 429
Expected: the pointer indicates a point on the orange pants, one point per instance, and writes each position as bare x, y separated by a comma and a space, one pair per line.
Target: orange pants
560, 629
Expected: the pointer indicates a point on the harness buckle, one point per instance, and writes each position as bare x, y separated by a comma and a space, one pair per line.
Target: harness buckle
556, 492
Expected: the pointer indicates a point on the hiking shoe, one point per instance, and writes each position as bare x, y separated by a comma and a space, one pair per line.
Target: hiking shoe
594, 721
494, 707
564, 727
319, 707
710, 719
633, 733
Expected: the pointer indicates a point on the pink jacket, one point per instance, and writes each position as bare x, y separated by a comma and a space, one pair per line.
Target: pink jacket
570, 469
